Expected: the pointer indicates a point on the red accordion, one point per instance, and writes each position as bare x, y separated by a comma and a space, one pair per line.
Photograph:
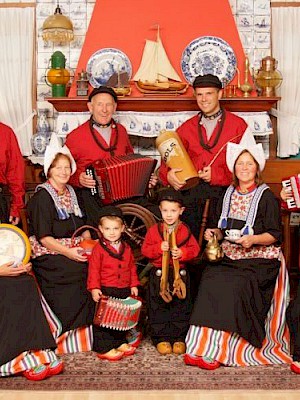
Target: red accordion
119, 314
292, 185
121, 177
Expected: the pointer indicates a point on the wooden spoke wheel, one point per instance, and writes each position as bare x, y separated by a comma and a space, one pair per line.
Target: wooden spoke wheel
137, 220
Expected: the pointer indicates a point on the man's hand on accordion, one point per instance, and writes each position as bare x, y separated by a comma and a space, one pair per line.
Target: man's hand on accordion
86, 180
96, 294
153, 181
286, 193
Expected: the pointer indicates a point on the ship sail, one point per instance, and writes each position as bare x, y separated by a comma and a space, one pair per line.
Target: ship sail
155, 65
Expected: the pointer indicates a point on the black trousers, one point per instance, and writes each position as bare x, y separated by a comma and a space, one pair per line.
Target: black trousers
105, 339
4, 209
168, 322
92, 205
194, 202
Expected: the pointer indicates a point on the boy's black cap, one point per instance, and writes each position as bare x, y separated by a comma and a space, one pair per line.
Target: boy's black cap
208, 80
103, 89
170, 194
111, 211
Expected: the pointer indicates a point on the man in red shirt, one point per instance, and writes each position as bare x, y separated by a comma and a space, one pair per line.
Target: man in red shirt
205, 137
12, 171
97, 139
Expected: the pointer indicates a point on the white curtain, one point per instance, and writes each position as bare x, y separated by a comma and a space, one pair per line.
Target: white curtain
16, 60
286, 49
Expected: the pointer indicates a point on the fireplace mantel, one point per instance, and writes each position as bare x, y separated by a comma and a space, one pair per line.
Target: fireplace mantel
166, 103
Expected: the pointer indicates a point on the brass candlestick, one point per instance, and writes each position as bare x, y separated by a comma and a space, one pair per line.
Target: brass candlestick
245, 87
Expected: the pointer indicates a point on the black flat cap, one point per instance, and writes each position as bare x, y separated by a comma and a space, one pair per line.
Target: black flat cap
110, 211
209, 80
170, 194
103, 89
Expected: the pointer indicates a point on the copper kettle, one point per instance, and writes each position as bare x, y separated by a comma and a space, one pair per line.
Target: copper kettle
213, 250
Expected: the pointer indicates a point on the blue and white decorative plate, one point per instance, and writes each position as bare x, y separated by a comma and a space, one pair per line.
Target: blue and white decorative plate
106, 62
208, 55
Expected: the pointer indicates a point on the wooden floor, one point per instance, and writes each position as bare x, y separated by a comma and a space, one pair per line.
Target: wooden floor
151, 395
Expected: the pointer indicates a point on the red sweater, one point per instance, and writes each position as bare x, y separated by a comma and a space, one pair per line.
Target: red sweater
86, 151
105, 270
151, 247
12, 168
188, 132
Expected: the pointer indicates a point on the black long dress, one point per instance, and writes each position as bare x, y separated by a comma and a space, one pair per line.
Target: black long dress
235, 295
61, 280
23, 325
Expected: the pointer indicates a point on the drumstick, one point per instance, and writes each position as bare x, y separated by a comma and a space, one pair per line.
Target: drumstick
220, 150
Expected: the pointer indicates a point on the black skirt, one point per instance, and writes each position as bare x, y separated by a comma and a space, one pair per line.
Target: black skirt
63, 284
23, 325
235, 296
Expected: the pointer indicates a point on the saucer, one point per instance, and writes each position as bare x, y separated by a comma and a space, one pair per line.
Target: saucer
230, 239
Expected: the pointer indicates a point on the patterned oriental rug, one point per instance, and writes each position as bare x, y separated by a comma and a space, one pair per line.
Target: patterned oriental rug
147, 370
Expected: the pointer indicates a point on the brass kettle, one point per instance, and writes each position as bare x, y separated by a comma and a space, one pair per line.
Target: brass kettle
213, 250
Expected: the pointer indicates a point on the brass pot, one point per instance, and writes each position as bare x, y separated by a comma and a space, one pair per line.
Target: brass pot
213, 250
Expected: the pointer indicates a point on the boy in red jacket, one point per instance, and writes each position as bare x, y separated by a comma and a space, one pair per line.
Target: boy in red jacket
169, 301
112, 272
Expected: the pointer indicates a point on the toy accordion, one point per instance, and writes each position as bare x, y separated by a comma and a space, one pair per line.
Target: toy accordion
121, 177
292, 184
119, 314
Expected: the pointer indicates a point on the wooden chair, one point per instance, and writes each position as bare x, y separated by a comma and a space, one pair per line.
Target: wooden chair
24, 221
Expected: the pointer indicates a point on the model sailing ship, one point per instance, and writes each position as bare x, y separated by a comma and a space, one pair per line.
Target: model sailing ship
119, 82
156, 74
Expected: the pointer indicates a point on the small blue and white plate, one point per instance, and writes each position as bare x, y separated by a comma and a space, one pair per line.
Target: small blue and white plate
209, 55
106, 62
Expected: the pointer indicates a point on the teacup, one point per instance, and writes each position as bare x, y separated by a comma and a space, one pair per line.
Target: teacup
233, 234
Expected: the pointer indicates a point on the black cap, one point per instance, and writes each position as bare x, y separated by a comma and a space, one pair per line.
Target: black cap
170, 194
209, 80
110, 211
103, 89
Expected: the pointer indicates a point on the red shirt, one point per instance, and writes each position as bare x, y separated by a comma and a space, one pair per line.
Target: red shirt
86, 151
151, 247
12, 168
220, 175
105, 270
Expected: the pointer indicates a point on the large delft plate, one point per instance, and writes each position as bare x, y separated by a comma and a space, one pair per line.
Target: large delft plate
106, 62
208, 55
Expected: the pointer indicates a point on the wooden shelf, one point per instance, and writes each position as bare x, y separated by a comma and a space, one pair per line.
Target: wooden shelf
166, 103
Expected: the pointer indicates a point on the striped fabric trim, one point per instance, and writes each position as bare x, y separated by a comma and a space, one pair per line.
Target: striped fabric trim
53, 321
80, 339
27, 360
232, 350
